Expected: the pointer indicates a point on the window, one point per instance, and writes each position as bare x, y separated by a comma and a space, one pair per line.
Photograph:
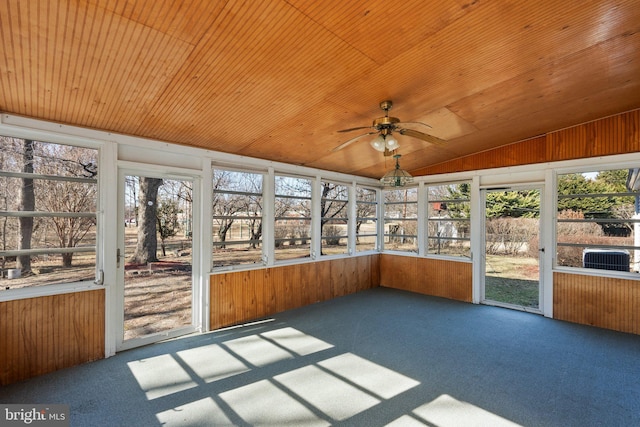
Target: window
448, 219
366, 219
334, 218
237, 217
48, 204
401, 219
597, 220
292, 212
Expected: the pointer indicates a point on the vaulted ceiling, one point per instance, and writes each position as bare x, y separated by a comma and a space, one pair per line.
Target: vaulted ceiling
276, 79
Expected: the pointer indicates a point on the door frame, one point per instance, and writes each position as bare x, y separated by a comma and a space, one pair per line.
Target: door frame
199, 314
542, 240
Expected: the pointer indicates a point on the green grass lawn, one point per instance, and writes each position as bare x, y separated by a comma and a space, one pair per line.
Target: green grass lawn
512, 280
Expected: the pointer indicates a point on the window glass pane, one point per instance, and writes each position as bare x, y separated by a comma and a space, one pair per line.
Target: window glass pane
366, 219
237, 217
334, 218
48, 203
597, 220
292, 225
401, 219
448, 219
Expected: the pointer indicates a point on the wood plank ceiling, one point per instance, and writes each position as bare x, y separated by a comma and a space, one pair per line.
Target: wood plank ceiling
277, 79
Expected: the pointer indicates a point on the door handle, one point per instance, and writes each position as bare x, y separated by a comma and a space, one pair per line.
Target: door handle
118, 256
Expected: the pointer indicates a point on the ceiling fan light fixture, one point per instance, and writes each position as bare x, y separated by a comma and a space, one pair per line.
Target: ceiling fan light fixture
385, 142
379, 143
396, 177
385, 127
391, 143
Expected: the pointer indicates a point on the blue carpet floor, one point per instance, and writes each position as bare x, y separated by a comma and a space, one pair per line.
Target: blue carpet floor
377, 358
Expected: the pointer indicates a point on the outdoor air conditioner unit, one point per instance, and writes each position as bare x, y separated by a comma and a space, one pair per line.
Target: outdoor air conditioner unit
606, 259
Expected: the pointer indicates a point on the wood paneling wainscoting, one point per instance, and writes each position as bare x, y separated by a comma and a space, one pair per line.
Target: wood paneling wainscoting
44, 334
441, 278
606, 302
242, 296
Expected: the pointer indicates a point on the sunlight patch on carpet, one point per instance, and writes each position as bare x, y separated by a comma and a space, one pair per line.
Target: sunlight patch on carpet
212, 362
377, 379
160, 376
297, 341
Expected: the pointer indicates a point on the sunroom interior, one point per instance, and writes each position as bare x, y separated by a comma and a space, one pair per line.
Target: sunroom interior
257, 118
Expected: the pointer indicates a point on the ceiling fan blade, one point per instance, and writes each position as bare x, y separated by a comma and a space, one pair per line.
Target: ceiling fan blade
352, 129
414, 123
423, 136
351, 141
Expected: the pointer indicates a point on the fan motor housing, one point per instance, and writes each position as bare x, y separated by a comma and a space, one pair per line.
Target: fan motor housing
385, 122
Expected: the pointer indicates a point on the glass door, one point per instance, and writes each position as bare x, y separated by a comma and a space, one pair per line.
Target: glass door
512, 248
155, 258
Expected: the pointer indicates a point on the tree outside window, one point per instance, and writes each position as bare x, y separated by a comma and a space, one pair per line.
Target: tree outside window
48, 204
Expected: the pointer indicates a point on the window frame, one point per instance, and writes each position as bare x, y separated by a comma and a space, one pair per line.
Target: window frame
344, 217
428, 220
310, 219
376, 218
248, 264
596, 167
104, 152
385, 218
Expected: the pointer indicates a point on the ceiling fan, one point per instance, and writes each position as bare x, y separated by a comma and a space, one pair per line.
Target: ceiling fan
384, 127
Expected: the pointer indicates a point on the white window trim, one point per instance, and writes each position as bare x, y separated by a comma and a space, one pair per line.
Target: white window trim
424, 245
553, 222
103, 148
353, 214
271, 254
267, 200
350, 217
382, 236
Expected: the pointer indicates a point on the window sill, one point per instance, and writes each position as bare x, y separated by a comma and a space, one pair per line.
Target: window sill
460, 258
237, 267
428, 256
627, 275
47, 290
